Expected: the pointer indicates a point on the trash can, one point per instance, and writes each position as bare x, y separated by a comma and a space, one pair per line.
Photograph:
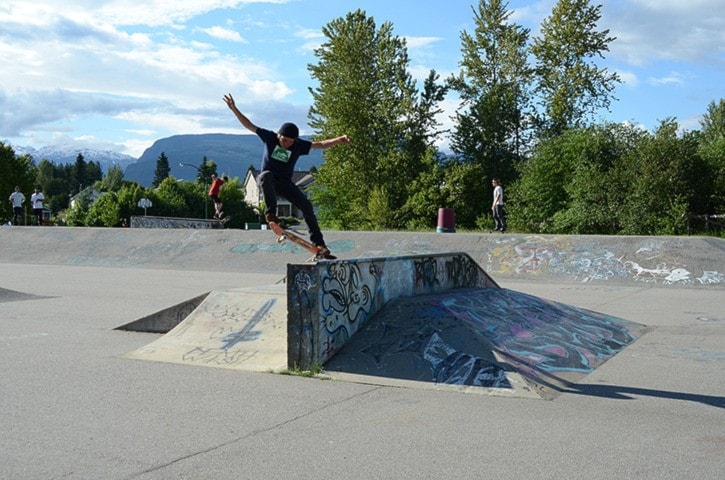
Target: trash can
446, 220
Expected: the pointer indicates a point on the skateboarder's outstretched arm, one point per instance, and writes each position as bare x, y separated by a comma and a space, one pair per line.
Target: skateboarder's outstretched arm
330, 142
240, 116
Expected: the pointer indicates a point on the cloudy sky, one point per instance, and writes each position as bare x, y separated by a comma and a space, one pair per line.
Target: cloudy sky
120, 74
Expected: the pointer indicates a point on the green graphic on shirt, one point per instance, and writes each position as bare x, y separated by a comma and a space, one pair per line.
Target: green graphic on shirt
280, 154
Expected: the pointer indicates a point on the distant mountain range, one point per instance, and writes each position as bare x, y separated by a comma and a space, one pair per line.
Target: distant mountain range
62, 154
233, 154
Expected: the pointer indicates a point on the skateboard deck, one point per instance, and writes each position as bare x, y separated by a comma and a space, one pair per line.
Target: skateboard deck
283, 235
223, 220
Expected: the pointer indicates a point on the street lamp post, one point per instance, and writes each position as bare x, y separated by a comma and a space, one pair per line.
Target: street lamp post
206, 200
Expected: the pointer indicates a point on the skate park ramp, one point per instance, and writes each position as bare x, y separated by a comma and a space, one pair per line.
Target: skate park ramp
7, 295
435, 322
237, 329
483, 340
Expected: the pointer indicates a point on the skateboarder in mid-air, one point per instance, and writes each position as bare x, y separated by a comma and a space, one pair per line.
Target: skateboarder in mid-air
282, 149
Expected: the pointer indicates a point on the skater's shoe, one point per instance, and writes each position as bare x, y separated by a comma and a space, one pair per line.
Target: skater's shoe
325, 253
270, 217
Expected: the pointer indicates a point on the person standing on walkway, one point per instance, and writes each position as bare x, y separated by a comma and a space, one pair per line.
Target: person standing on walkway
16, 200
36, 200
214, 189
499, 216
282, 149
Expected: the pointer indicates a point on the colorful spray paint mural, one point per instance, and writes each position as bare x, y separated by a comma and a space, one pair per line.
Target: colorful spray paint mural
329, 302
583, 259
479, 337
588, 259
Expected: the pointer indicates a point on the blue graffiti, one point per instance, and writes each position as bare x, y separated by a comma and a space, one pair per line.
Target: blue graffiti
537, 334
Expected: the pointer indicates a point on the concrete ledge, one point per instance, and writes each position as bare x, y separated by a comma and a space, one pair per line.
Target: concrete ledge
171, 222
672, 262
328, 302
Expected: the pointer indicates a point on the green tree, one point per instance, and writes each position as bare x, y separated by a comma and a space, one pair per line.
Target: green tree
232, 195
595, 195
664, 174
112, 181
105, 212
162, 170
195, 198
44, 177
169, 199
540, 191
570, 85
79, 174
493, 84
128, 197
16, 171
206, 170
712, 151
427, 195
94, 173
364, 90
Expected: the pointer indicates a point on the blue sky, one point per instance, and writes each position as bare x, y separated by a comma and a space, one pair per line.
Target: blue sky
120, 74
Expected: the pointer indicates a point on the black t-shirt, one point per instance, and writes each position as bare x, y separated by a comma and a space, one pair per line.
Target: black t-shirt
277, 159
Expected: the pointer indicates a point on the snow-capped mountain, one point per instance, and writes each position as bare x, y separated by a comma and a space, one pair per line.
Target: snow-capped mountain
61, 154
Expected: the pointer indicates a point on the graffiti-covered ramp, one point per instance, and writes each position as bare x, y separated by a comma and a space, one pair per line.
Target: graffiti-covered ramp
482, 340
243, 329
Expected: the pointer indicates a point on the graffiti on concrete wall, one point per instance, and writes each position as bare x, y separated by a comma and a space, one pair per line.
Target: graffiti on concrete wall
479, 337
170, 222
540, 335
225, 332
651, 261
348, 293
582, 259
351, 292
410, 341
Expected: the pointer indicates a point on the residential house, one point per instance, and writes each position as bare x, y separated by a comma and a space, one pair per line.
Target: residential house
253, 192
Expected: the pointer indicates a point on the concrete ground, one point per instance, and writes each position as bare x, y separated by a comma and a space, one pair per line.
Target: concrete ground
72, 408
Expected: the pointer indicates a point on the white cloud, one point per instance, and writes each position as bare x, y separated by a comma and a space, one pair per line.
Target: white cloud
651, 30
629, 79
673, 78
224, 34
420, 42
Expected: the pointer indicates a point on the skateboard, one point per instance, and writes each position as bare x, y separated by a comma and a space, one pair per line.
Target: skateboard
283, 235
223, 219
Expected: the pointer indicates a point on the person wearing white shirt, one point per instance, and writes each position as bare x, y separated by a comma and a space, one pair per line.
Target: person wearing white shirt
17, 199
36, 200
499, 216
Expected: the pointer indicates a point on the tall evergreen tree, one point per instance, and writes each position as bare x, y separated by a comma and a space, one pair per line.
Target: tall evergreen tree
493, 84
162, 170
570, 85
366, 92
206, 170
79, 174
